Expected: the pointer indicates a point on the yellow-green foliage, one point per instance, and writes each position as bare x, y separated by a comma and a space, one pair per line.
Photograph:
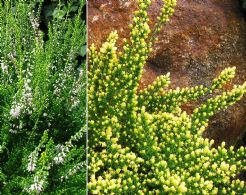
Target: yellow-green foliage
142, 142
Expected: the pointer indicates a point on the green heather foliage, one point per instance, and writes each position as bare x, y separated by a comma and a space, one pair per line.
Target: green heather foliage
244, 4
42, 101
142, 142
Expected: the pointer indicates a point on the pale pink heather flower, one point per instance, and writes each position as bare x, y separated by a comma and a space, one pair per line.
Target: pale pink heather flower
31, 166
4, 67
37, 186
15, 112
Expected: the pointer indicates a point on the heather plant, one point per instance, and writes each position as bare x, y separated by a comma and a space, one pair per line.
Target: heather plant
43, 101
141, 141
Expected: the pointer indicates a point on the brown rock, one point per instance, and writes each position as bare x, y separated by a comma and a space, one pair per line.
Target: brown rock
202, 38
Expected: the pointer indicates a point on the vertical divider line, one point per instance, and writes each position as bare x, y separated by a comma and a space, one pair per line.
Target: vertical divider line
87, 97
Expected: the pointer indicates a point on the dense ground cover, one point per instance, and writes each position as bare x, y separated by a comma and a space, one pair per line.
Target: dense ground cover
141, 141
43, 97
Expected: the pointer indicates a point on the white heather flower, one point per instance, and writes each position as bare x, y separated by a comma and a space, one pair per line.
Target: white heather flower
34, 22
15, 112
57, 91
81, 72
73, 171
58, 159
31, 166
62, 178
28, 97
4, 67
32, 187
45, 114
37, 186
12, 131
32, 161
59, 148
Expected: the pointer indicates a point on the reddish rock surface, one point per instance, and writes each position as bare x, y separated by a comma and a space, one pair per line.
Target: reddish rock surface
202, 38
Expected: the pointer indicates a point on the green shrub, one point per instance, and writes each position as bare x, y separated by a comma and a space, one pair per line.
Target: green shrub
59, 9
244, 4
141, 141
43, 101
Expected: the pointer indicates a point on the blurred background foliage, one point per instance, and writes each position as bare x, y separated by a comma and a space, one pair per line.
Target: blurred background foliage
60, 9
244, 4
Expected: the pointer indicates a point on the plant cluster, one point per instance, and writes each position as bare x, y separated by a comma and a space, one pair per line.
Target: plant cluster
141, 141
244, 4
42, 100
60, 8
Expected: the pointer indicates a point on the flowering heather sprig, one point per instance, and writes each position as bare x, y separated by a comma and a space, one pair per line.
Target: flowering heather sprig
64, 149
52, 157
32, 161
78, 167
142, 142
37, 186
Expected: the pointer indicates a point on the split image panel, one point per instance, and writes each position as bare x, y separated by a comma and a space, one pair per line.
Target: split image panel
163, 111
43, 97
